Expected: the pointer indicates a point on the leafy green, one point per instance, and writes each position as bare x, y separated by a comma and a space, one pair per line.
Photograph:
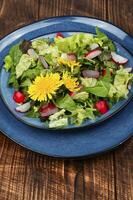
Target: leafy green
66, 103
100, 90
73, 43
8, 62
40, 44
32, 73
60, 123
105, 40
122, 76
110, 64
12, 81
32, 114
57, 115
81, 96
119, 88
23, 65
13, 57
88, 82
82, 114
26, 83
15, 54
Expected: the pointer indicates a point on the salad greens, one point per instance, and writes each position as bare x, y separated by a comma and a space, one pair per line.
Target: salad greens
67, 80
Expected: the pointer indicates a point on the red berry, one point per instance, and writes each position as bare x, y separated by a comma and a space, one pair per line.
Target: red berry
102, 106
18, 97
59, 35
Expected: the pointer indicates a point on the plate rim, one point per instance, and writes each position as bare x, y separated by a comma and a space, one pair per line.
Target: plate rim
93, 124
107, 150
58, 156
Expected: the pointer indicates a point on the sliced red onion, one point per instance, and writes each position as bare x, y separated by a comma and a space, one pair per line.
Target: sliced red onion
24, 107
43, 61
90, 73
32, 53
71, 56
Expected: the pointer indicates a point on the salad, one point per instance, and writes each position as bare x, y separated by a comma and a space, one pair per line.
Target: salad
67, 80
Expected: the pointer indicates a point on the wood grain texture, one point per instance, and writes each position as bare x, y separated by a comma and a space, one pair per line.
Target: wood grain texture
25, 175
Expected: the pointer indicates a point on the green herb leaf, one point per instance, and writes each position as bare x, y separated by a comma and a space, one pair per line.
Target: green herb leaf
66, 103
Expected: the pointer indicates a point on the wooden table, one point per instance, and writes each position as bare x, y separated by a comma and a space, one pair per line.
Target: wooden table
25, 175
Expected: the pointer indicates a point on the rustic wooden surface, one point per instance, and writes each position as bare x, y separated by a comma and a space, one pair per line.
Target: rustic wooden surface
25, 175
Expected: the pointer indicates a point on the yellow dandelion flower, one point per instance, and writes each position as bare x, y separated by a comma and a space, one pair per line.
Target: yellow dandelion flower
70, 82
70, 63
44, 87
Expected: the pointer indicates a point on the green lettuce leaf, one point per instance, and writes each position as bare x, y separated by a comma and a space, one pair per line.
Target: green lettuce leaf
40, 44
88, 82
60, 123
100, 90
73, 43
66, 103
119, 89
12, 59
15, 54
82, 114
23, 65
105, 40
8, 62
57, 115
81, 96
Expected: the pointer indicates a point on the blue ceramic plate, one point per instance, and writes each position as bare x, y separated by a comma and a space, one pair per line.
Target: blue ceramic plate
47, 29
67, 143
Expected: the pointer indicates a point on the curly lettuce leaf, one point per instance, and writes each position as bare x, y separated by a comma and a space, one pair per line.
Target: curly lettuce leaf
73, 43
40, 44
60, 123
81, 96
57, 115
81, 114
119, 89
12, 59
105, 41
23, 65
8, 63
88, 82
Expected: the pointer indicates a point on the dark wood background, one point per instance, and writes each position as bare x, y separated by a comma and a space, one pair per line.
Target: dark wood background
25, 175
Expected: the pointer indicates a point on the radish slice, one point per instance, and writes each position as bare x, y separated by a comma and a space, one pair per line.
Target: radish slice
90, 73
94, 46
118, 59
92, 54
24, 107
47, 110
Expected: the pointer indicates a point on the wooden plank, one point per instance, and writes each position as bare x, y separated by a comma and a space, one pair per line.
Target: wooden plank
14, 14
99, 178
123, 165
54, 8
25, 175
121, 14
